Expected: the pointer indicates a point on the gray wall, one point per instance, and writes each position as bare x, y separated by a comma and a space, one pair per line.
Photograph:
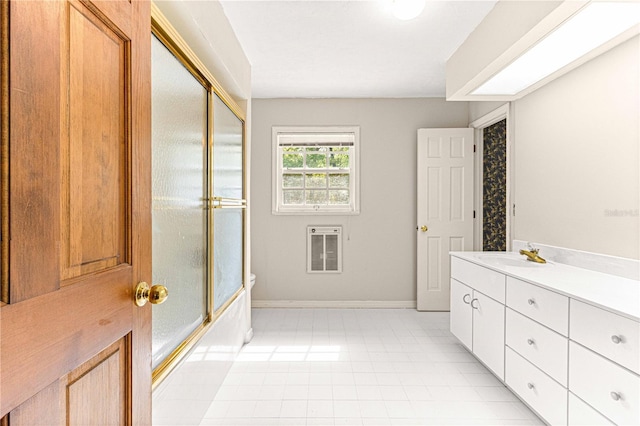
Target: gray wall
379, 247
577, 157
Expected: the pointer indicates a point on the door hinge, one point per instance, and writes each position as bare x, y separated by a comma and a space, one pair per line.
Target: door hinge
513, 209
474, 214
474, 147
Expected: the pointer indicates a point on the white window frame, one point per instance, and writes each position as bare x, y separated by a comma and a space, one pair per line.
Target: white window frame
353, 208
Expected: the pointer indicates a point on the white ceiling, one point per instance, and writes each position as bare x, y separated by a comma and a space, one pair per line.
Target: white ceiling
350, 49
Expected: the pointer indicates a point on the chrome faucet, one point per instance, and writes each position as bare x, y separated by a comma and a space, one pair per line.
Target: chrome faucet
532, 254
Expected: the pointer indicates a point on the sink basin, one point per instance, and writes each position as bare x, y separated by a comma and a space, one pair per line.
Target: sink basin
509, 260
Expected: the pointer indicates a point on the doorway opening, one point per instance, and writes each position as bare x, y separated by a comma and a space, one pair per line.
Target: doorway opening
492, 199
494, 187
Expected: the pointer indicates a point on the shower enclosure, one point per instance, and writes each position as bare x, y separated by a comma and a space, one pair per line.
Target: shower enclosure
198, 205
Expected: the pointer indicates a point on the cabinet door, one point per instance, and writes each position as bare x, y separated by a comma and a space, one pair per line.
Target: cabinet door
461, 315
488, 332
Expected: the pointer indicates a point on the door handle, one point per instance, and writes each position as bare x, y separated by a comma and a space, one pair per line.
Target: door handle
424, 228
464, 298
474, 306
156, 294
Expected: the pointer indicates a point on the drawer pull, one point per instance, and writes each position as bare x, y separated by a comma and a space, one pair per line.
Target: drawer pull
616, 396
531, 342
464, 298
531, 301
616, 339
530, 385
472, 305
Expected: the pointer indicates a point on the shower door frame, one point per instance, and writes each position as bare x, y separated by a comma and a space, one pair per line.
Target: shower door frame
171, 39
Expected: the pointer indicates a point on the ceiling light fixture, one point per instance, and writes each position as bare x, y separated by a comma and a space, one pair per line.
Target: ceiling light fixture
593, 26
407, 9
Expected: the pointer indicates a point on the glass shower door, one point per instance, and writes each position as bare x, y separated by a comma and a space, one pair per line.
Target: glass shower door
179, 217
198, 206
229, 204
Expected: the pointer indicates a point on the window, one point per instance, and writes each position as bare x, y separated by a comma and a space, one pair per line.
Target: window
315, 170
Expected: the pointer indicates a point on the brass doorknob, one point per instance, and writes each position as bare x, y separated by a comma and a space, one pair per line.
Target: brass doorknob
156, 294
424, 228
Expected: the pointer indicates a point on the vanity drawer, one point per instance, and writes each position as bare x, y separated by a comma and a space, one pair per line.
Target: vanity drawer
607, 387
486, 281
611, 335
544, 348
582, 414
546, 307
542, 393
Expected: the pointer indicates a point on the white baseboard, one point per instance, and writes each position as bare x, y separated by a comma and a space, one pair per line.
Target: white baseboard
335, 304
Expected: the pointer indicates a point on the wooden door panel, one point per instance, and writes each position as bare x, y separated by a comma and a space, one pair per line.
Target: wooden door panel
34, 116
94, 393
140, 174
44, 408
94, 160
118, 11
45, 337
77, 146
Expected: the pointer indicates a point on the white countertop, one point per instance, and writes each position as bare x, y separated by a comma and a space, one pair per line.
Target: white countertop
616, 294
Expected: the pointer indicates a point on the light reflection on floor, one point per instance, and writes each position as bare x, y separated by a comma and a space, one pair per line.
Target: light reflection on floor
361, 367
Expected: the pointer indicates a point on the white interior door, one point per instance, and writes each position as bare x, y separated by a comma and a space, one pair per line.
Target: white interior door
445, 209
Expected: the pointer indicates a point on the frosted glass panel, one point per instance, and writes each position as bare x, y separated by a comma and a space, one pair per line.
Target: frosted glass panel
227, 151
227, 261
179, 129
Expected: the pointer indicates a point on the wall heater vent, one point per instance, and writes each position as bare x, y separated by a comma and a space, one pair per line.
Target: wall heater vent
324, 249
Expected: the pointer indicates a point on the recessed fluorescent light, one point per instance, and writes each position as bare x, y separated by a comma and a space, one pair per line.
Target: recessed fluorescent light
590, 28
407, 9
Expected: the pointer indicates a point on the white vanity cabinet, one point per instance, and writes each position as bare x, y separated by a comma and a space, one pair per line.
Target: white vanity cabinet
488, 332
477, 319
604, 362
461, 315
537, 348
546, 396
560, 338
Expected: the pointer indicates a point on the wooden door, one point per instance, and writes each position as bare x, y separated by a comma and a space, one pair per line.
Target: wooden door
445, 210
75, 349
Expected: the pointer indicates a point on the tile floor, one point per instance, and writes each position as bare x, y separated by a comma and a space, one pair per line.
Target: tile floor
360, 367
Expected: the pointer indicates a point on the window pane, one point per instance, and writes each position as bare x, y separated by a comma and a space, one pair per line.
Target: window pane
339, 149
292, 180
290, 160
316, 180
339, 196
339, 160
317, 149
316, 197
339, 180
316, 161
293, 197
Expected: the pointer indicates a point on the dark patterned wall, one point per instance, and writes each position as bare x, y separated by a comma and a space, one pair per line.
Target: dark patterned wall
494, 201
